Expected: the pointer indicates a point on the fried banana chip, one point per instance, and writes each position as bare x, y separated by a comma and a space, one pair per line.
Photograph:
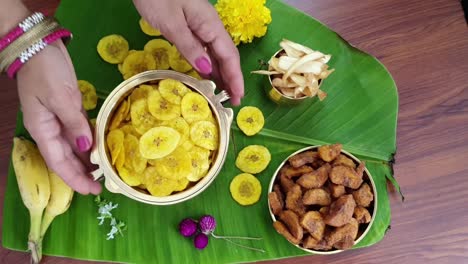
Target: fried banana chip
129, 176
292, 172
363, 196
315, 179
291, 220
148, 29
329, 152
303, 158
181, 126
115, 143
294, 200
113, 48
160, 49
128, 129
279, 193
275, 202
142, 119
286, 183
341, 211
119, 115
316, 197
177, 61
137, 62
159, 142
141, 92
336, 190
362, 215
88, 95
172, 90
161, 108
346, 176
205, 134
253, 159
133, 158
200, 163
194, 107
250, 120
345, 161
310, 242
313, 222
182, 184
158, 185
343, 237
245, 189
283, 230
177, 165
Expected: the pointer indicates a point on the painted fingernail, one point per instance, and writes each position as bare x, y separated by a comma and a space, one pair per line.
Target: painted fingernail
203, 65
83, 143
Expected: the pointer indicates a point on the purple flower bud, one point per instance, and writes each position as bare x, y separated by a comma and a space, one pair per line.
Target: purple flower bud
187, 227
200, 241
207, 224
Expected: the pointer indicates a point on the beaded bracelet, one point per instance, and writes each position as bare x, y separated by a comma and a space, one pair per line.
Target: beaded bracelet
22, 27
36, 48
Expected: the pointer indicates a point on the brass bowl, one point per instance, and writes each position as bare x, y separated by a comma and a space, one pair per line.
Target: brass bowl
276, 96
367, 178
101, 157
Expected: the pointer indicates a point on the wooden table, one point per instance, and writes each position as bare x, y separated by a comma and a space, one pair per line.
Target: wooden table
424, 44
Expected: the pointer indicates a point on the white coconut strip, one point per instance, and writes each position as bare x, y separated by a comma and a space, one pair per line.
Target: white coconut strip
312, 66
298, 47
263, 72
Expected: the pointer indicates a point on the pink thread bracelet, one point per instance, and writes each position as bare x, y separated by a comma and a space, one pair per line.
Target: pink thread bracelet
36, 48
22, 27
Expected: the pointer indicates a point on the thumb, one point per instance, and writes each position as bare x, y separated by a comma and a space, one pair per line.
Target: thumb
179, 33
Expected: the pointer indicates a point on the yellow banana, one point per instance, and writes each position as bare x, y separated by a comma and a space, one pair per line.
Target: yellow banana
33, 182
61, 196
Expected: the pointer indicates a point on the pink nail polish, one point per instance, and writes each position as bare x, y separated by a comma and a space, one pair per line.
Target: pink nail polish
83, 143
203, 65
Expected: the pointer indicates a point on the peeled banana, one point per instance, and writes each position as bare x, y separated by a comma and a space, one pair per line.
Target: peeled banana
33, 182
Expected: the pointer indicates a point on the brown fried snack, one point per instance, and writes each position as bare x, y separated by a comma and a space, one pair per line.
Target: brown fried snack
336, 190
324, 211
291, 220
316, 196
286, 183
322, 245
362, 215
277, 190
363, 196
310, 242
294, 200
315, 179
283, 230
313, 222
303, 158
275, 203
341, 211
343, 237
329, 152
345, 161
292, 172
346, 176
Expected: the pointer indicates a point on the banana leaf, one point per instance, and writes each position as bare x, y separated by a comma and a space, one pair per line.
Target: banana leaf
360, 112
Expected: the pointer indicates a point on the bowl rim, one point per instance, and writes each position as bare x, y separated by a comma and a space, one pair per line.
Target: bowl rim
375, 201
100, 157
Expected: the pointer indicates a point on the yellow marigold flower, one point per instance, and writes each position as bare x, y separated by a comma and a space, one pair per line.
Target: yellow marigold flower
244, 19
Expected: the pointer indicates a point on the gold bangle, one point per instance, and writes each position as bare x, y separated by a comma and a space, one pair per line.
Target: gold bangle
38, 32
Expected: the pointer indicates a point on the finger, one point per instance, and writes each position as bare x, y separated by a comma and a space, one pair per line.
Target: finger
46, 131
177, 31
66, 104
207, 26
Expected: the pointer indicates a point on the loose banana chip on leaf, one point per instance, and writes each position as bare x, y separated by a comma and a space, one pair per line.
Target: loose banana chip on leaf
115, 143
253, 159
245, 189
181, 126
148, 29
88, 95
113, 48
250, 120
160, 49
137, 62
161, 108
178, 62
172, 90
133, 158
194, 108
159, 142
177, 165
158, 185
204, 134
200, 163
141, 118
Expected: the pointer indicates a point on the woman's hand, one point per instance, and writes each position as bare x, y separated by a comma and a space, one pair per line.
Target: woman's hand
53, 115
193, 26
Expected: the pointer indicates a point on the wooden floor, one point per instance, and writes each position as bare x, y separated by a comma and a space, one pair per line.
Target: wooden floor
424, 44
